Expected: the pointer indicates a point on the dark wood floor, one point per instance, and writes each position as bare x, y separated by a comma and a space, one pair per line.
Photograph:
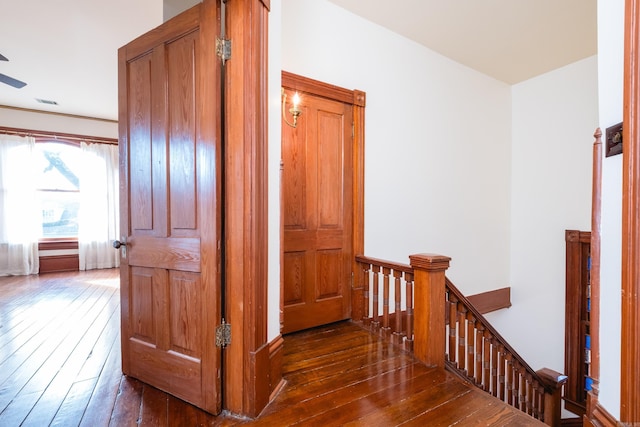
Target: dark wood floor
60, 365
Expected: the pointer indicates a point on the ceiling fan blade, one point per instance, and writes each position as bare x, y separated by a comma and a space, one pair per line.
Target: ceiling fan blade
3, 58
11, 81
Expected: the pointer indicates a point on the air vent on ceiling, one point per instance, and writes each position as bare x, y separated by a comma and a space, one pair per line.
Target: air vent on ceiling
46, 101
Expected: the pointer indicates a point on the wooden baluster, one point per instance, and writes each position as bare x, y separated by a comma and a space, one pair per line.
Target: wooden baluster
494, 368
541, 408
397, 337
408, 277
376, 292
528, 396
516, 385
522, 393
453, 321
462, 353
366, 285
479, 330
470, 345
486, 385
509, 380
385, 301
501, 373
534, 399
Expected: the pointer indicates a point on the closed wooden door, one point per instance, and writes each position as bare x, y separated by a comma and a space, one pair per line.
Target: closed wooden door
169, 96
317, 213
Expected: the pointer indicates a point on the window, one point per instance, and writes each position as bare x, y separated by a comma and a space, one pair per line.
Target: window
58, 185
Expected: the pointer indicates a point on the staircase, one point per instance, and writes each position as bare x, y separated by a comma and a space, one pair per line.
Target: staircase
431, 318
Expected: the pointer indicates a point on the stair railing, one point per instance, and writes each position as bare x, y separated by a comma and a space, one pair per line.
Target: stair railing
434, 320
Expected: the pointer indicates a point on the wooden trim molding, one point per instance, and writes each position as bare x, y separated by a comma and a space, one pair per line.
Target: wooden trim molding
489, 301
602, 418
57, 263
275, 365
51, 245
54, 113
318, 88
357, 297
47, 135
630, 313
246, 383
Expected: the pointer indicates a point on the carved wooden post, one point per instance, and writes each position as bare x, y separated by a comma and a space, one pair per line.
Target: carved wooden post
429, 324
552, 402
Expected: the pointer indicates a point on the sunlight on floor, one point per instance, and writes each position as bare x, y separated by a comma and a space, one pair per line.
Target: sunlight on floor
111, 283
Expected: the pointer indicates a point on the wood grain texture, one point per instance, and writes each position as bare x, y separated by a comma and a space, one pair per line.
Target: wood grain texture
630, 312
339, 374
317, 213
57, 263
577, 318
246, 202
293, 207
489, 301
429, 326
171, 215
596, 239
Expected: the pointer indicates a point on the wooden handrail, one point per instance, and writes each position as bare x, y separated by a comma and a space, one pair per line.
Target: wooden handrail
396, 266
487, 326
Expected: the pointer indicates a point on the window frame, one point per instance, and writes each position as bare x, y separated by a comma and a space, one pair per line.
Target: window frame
64, 242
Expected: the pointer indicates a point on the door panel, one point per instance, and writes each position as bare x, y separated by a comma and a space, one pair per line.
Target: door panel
317, 214
170, 213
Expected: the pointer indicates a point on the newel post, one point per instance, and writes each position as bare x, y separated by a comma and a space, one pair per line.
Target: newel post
429, 304
552, 401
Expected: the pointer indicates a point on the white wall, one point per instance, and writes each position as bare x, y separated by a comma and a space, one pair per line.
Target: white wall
26, 119
437, 141
554, 118
610, 82
440, 174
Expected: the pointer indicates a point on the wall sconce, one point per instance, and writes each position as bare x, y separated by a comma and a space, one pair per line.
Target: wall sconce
294, 110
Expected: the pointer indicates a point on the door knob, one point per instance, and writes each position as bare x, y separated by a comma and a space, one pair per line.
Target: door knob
117, 244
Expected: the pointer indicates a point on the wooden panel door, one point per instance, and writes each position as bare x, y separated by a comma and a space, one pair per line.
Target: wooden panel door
169, 95
317, 213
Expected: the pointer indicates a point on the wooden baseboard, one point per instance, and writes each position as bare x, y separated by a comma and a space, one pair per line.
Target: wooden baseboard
266, 375
487, 302
571, 422
275, 364
57, 263
600, 418
258, 394
276, 382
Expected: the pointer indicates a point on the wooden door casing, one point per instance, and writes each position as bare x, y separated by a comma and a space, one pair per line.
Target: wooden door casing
317, 213
169, 96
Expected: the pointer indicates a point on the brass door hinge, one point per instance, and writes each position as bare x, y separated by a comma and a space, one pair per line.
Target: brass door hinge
223, 334
223, 49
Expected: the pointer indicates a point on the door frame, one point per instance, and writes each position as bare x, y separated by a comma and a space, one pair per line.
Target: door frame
357, 99
630, 296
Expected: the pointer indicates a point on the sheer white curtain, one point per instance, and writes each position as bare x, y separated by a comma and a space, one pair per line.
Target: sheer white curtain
19, 212
98, 222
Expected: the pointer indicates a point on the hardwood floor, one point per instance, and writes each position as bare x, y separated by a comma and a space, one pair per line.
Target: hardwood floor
60, 365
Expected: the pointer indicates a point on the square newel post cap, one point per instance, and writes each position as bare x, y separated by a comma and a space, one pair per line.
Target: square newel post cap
552, 378
429, 262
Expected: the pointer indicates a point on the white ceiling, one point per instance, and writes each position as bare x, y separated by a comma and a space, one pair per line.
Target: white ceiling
510, 40
66, 50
